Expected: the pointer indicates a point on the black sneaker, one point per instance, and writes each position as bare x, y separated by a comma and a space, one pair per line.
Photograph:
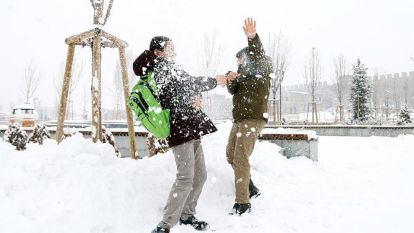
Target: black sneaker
194, 222
161, 230
241, 208
253, 190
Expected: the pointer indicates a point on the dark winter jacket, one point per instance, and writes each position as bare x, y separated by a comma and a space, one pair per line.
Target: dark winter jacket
176, 91
251, 89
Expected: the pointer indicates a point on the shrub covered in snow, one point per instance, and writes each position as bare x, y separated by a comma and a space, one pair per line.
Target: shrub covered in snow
156, 146
40, 133
16, 136
68, 133
108, 137
404, 116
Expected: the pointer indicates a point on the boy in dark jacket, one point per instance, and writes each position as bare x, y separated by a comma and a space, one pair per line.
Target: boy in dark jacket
250, 89
178, 91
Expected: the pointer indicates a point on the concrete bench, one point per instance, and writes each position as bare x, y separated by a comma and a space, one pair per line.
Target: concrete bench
293, 142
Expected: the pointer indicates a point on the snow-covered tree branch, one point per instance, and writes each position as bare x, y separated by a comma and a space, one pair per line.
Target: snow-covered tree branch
31, 80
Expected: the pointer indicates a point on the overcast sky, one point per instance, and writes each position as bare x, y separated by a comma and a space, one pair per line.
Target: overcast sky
379, 32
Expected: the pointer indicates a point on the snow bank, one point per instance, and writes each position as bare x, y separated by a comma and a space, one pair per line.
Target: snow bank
359, 185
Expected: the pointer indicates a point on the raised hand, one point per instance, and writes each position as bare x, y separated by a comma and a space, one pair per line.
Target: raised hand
250, 28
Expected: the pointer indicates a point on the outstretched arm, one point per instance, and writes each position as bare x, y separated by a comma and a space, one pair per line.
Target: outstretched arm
256, 50
201, 84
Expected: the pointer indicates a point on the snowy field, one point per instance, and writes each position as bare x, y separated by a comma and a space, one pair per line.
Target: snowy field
359, 185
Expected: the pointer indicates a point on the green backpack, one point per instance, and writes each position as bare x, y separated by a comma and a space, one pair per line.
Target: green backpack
148, 110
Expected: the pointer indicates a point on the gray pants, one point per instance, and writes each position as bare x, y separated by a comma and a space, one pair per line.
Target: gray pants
189, 182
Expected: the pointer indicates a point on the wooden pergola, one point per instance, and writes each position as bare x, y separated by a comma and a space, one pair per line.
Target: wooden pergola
96, 39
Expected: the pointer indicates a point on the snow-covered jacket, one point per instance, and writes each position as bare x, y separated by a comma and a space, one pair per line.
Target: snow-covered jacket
251, 89
176, 91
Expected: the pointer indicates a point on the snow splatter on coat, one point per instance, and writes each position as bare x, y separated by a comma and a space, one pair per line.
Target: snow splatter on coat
176, 91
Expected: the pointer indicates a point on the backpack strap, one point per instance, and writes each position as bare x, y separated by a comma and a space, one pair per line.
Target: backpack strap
148, 81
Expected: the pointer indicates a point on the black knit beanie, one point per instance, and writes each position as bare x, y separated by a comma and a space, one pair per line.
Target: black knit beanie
158, 42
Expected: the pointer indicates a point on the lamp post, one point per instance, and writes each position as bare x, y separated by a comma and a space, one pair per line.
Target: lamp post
35, 105
280, 102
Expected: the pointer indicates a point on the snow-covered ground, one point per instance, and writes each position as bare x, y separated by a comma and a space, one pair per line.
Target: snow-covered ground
359, 185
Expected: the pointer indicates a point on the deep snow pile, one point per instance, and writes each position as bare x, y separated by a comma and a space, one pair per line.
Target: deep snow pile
359, 185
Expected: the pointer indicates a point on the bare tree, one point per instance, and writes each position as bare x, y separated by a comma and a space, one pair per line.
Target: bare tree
58, 83
117, 88
405, 90
396, 91
210, 55
129, 56
340, 77
117, 92
312, 76
86, 99
31, 80
376, 94
278, 50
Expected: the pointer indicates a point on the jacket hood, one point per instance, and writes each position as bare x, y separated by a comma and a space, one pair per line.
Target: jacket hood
145, 63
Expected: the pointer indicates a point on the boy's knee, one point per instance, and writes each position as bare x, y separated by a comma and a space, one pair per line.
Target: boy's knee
241, 163
230, 160
185, 180
203, 177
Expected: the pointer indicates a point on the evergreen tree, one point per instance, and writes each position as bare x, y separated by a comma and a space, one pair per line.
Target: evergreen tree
404, 116
360, 93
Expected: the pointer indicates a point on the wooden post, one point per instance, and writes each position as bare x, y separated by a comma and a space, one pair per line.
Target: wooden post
314, 116
65, 92
125, 82
280, 103
338, 114
316, 113
96, 38
96, 89
313, 112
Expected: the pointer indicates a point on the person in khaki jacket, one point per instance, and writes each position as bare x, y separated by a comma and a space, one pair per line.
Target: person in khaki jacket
250, 89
